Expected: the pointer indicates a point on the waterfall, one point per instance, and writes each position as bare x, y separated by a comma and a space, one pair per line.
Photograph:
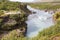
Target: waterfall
38, 21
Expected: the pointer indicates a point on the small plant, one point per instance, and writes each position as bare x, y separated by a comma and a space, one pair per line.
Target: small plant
1, 12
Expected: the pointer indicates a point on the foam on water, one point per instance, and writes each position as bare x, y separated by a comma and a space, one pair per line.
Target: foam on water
38, 21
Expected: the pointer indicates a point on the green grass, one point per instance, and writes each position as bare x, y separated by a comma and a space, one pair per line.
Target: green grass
13, 35
46, 34
49, 6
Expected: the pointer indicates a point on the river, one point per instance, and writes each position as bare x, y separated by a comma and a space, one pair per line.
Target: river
37, 21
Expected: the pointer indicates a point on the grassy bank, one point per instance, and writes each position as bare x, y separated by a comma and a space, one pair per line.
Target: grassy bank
48, 6
52, 33
15, 24
47, 34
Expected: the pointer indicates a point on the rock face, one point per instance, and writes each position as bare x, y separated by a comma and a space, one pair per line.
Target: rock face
15, 22
23, 8
12, 22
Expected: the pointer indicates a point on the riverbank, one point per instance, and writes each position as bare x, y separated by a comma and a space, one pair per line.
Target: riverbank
39, 26
46, 6
10, 22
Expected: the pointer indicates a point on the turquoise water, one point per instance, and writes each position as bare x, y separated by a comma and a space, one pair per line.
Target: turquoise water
38, 21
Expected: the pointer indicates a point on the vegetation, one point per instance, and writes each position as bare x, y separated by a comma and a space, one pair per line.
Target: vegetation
57, 16
12, 23
13, 35
48, 6
47, 34
15, 24
7, 5
52, 32
1, 12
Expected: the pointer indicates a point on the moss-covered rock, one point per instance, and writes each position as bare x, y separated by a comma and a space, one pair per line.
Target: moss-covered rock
14, 22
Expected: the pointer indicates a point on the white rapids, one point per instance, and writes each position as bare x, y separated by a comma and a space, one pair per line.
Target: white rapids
38, 21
